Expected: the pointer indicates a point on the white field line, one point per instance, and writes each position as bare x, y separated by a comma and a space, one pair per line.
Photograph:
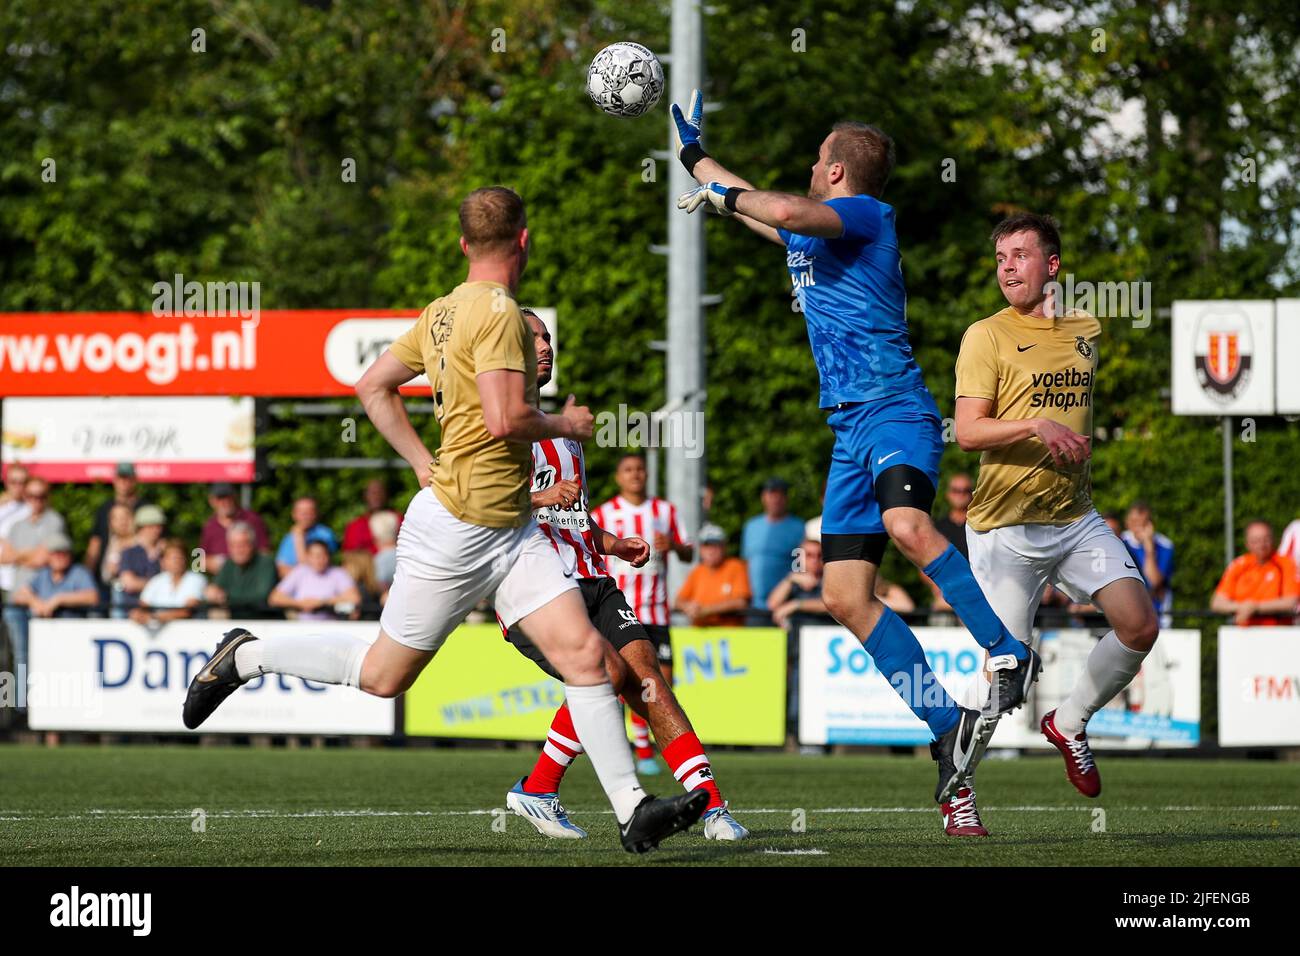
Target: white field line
253, 814
793, 852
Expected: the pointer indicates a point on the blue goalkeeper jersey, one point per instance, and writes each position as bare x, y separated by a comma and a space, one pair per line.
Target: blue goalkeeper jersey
852, 296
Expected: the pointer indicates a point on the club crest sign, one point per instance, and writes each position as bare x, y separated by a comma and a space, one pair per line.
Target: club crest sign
1226, 356
1223, 353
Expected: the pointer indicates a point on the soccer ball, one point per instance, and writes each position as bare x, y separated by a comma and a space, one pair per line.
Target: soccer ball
625, 79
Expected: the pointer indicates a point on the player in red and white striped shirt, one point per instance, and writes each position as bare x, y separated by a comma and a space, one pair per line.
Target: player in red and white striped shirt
631, 512
559, 497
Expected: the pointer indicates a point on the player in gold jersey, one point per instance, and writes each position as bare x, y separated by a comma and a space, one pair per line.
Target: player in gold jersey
1025, 380
469, 533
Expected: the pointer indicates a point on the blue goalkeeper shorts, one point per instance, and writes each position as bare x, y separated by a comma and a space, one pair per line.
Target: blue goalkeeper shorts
871, 438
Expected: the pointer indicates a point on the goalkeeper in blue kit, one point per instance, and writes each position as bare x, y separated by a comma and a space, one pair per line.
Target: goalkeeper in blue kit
843, 258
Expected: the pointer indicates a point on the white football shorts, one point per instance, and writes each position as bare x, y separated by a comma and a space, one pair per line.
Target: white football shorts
1012, 565
446, 566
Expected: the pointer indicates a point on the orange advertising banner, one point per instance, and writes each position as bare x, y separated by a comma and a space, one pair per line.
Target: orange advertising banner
299, 353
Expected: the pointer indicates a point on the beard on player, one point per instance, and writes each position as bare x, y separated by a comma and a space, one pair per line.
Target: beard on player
542, 341
817, 189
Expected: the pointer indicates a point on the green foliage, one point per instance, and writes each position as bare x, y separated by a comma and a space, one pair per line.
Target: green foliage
226, 165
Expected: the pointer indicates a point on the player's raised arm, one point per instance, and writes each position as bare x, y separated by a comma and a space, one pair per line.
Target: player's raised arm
777, 211
378, 391
507, 414
705, 168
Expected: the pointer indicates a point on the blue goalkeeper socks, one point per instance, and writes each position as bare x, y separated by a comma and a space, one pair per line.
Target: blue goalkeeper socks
898, 654
952, 573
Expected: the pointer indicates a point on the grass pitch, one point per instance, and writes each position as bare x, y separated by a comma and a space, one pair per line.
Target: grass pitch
135, 806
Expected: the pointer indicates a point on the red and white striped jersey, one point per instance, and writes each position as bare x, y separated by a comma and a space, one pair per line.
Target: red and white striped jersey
568, 529
645, 588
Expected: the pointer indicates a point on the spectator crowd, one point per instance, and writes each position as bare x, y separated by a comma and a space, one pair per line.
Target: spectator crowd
132, 568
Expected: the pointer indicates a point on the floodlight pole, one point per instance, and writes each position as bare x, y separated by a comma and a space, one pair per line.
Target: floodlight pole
685, 288
1228, 532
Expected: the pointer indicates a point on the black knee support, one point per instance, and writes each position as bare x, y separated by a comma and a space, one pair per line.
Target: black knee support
854, 547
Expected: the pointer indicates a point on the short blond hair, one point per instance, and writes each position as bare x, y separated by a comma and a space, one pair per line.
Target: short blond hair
491, 220
867, 154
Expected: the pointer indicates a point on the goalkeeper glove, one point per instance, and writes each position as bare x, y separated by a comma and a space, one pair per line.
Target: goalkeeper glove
687, 132
715, 197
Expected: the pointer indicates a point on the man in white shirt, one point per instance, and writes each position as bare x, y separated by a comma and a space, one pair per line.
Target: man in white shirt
13, 507
23, 547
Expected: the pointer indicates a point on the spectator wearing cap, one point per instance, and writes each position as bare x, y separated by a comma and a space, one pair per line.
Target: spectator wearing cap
141, 561
125, 492
1153, 553
172, 594
314, 587
306, 528
246, 578
61, 588
1259, 587
225, 512
960, 491
357, 536
769, 540
716, 592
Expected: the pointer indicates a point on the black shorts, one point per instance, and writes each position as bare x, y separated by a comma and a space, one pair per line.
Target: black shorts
607, 609
658, 634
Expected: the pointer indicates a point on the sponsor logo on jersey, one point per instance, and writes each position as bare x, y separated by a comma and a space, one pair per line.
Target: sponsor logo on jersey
800, 265
1064, 389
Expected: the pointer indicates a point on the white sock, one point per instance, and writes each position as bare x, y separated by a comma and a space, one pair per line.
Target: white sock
248, 659
325, 658
977, 692
598, 719
1110, 668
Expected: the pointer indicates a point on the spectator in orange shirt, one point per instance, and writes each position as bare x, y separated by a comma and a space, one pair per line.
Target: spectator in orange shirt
716, 592
1260, 586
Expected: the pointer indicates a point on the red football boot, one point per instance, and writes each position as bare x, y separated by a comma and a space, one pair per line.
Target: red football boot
960, 816
1079, 765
